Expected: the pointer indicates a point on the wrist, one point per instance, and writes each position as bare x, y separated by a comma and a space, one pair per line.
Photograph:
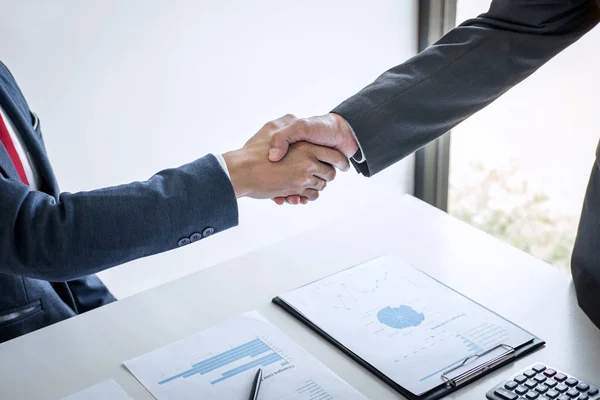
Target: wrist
349, 145
235, 161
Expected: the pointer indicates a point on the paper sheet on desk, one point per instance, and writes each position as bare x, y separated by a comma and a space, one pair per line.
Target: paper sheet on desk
220, 363
108, 389
403, 322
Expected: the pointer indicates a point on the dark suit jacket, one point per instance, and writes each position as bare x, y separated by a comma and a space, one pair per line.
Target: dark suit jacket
471, 66
50, 242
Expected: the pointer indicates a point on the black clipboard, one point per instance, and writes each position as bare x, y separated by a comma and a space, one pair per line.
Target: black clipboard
451, 384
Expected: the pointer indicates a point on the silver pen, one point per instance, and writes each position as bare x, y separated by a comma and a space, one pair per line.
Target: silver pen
256, 385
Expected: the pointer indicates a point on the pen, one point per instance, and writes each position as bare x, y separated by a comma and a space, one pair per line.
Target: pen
256, 385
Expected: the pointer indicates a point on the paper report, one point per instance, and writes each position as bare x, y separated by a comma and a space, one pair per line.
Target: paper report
403, 322
220, 363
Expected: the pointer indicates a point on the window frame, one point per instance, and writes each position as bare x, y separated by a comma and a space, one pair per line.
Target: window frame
432, 162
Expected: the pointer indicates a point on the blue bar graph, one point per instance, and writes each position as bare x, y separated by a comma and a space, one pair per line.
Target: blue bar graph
259, 353
263, 362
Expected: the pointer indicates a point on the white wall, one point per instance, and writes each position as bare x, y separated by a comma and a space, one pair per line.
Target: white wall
127, 88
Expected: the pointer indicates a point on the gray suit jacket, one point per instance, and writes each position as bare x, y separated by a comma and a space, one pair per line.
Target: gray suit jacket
471, 66
50, 242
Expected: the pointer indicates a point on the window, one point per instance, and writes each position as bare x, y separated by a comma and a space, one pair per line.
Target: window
519, 168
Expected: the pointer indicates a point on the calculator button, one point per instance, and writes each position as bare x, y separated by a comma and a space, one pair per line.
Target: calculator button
521, 390
532, 395
571, 382
573, 393
552, 394
562, 388
560, 377
564, 397
542, 389
593, 392
540, 378
531, 384
529, 373
551, 383
549, 373
539, 368
505, 394
584, 397
583, 387
520, 379
511, 385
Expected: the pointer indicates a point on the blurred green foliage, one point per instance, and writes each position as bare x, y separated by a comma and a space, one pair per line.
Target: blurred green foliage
501, 203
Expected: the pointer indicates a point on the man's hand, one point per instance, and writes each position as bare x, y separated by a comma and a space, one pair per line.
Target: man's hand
305, 170
330, 130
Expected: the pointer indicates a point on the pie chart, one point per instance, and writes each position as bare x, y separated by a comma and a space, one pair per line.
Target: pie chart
401, 317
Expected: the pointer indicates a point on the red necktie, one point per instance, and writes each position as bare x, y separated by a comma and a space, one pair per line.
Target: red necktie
6, 140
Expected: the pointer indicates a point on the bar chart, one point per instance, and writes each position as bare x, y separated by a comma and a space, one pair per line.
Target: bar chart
253, 354
221, 363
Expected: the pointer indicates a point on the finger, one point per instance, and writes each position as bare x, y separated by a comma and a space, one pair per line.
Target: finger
282, 121
325, 172
292, 200
301, 199
315, 183
310, 194
281, 140
279, 200
330, 156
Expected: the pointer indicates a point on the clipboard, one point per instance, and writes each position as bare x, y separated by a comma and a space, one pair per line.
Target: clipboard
451, 384
452, 379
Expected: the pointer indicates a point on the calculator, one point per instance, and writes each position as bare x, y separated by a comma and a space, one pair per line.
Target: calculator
541, 382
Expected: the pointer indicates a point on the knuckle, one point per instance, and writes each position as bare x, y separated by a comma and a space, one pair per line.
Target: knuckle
316, 183
301, 124
271, 125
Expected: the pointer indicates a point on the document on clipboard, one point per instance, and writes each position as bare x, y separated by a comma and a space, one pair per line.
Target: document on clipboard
417, 334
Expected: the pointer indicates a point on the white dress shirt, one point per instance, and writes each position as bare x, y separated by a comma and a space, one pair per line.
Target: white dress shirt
30, 171
359, 157
221, 160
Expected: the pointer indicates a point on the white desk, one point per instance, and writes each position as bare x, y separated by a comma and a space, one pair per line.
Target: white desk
74, 354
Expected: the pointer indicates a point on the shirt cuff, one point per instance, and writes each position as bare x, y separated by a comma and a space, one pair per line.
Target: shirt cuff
359, 156
221, 161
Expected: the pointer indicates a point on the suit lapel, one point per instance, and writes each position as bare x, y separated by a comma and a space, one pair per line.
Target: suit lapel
34, 146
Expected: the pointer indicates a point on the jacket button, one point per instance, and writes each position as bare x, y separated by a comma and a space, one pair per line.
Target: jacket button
195, 237
183, 242
208, 231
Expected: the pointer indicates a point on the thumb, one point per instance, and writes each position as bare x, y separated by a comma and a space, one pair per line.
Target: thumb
281, 140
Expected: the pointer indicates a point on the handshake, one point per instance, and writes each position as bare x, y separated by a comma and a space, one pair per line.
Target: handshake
292, 159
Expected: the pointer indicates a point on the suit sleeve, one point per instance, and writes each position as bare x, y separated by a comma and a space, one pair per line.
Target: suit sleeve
83, 233
471, 66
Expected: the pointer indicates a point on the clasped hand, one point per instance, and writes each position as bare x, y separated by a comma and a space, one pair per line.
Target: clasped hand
298, 170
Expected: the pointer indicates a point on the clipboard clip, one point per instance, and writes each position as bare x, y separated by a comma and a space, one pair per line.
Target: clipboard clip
509, 354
